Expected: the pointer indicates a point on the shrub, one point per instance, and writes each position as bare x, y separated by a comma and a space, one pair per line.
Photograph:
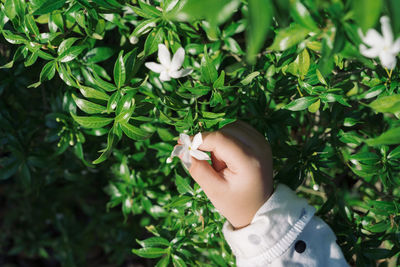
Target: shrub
75, 80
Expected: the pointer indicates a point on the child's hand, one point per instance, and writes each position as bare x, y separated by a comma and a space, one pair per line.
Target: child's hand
240, 178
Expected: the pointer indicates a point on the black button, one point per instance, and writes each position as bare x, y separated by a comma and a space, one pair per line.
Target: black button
300, 246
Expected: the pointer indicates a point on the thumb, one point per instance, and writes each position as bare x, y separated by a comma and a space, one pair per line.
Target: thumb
209, 180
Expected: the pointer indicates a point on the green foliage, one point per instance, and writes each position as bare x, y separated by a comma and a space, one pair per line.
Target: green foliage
86, 128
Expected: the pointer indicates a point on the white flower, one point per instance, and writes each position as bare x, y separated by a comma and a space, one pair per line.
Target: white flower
382, 46
188, 149
169, 68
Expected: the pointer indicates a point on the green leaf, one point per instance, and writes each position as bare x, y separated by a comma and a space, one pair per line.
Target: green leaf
379, 227
329, 97
301, 15
215, 12
49, 6
14, 38
386, 104
130, 60
179, 201
178, 261
31, 25
259, 20
220, 81
113, 101
133, 132
163, 262
148, 9
154, 242
48, 71
107, 151
141, 12
383, 207
378, 253
250, 77
321, 78
304, 63
106, 86
150, 252
367, 12
153, 39
289, 37
89, 92
92, 122
65, 74
395, 153
144, 27
19, 6
98, 54
125, 115
208, 71
24, 174
300, 103
18, 53
216, 98
10, 167
391, 137
366, 157
164, 134
183, 186
71, 53
393, 8
349, 137
9, 9
127, 101
374, 91
87, 106
66, 44
31, 59
314, 107
119, 70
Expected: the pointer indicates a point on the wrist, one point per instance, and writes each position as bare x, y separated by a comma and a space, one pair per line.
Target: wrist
248, 220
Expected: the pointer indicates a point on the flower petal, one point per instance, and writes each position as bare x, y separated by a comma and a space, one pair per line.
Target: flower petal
197, 141
386, 31
177, 59
185, 139
186, 160
154, 67
177, 151
180, 73
372, 38
369, 52
396, 47
164, 56
164, 76
200, 155
388, 60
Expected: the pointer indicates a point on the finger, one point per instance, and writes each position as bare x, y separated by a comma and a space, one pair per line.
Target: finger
209, 180
224, 148
249, 137
218, 164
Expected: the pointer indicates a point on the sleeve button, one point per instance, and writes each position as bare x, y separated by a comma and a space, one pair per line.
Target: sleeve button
300, 246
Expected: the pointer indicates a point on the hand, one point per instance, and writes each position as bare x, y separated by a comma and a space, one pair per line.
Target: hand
240, 179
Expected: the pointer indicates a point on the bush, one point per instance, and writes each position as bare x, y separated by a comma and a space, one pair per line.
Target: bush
75, 80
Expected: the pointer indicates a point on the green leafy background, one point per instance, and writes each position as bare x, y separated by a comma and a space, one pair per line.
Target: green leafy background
86, 128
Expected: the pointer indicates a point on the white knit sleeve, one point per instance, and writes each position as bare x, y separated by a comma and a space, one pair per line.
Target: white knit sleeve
284, 232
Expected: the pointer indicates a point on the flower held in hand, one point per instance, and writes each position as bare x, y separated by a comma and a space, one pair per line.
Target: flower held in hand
382, 46
169, 68
188, 149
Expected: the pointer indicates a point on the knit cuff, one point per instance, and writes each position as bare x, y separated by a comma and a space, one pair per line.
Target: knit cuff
273, 229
